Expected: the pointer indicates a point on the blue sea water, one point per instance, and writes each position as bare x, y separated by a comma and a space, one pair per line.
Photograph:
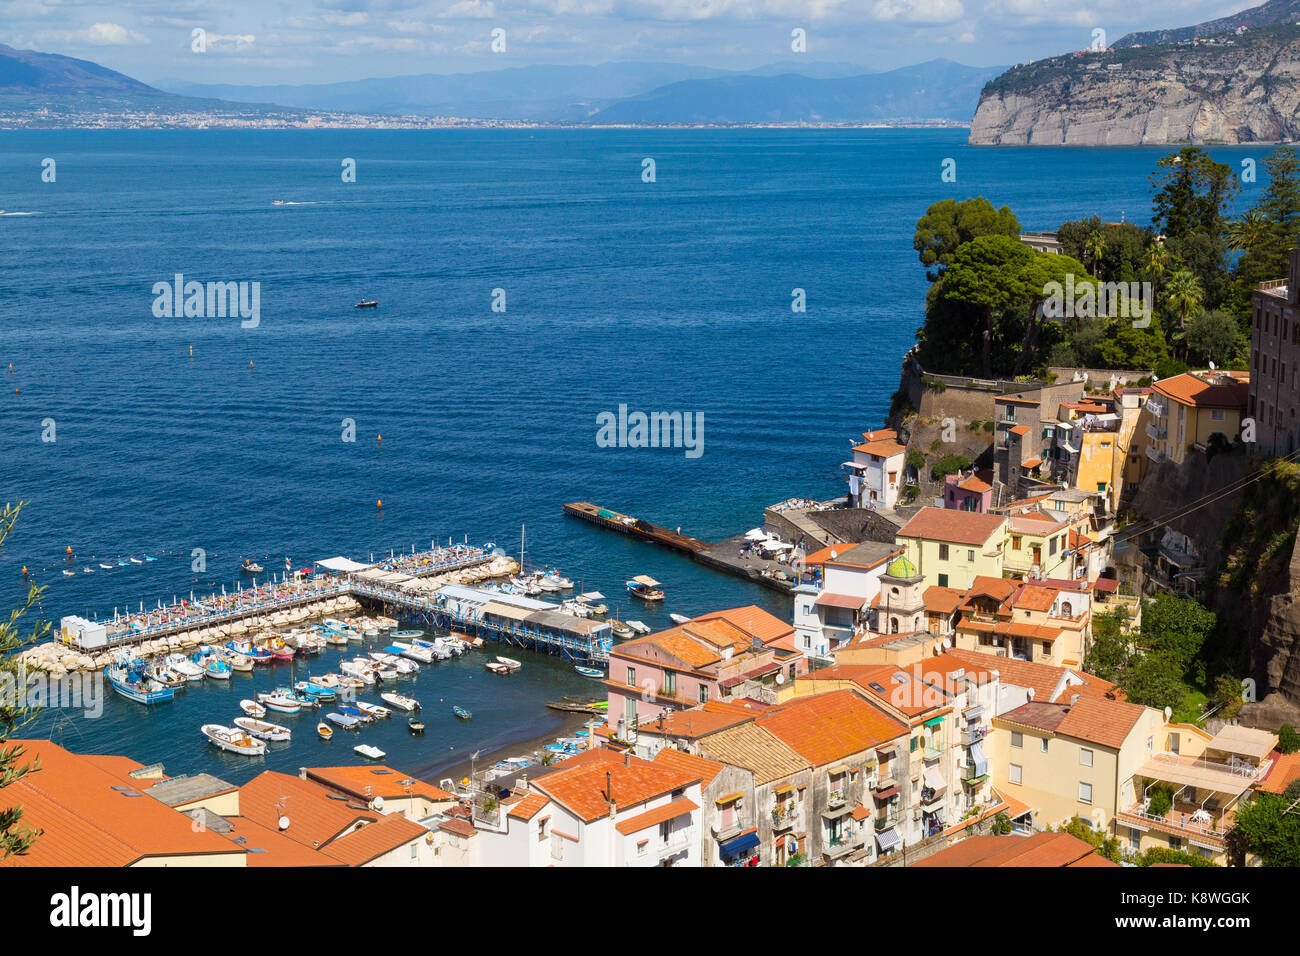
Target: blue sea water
666, 296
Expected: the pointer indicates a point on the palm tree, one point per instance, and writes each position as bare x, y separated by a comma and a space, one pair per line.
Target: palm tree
1184, 295
1093, 247
1248, 231
1157, 260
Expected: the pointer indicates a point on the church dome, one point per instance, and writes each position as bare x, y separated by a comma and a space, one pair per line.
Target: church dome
900, 567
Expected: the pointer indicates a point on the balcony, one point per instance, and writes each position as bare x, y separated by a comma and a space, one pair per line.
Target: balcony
1155, 454
932, 801
1157, 407
1184, 820
836, 799
784, 818
973, 735
970, 778
932, 752
1156, 434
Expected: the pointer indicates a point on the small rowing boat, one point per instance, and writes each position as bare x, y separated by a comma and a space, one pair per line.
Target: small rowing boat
461, 712
263, 730
252, 708
368, 304
369, 752
415, 724
234, 740
589, 672
679, 618
68, 573
510, 662
324, 731
499, 669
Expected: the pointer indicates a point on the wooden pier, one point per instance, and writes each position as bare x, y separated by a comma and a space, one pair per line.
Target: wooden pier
635, 527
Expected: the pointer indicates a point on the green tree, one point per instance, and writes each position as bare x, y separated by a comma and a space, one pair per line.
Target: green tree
1183, 295
1107, 846
15, 839
1109, 652
949, 224
1288, 741
1212, 336
1126, 347
1192, 195
1176, 627
1249, 232
1265, 828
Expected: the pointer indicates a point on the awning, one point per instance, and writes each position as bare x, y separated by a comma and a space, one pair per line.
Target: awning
646, 580
507, 611
934, 778
755, 534
974, 713
978, 759
839, 768
888, 840
591, 596
738, 845
887, 794
784, 788
846, 601
341, 564
729, 798
934, 722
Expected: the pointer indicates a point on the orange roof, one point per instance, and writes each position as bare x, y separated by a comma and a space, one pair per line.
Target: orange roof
1191, 390
315, 818
827, 727
375, 781
1031, 463
885, 449
1042, 678
942, 600
92, 817
1038, 850
696, 722
1098, 720
958, 527
372, 841
701, 641
861, 813
1020, 430
754, 621
702, 767
268, 847
1286, 769
528, 807
973, 484
997, 588
579, 784
656, 816
880, 434
1035, 598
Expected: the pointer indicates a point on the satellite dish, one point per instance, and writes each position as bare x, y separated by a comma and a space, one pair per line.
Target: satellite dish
1211, 366
284, 823
1030, 693
780, 678
946, 643
377, 803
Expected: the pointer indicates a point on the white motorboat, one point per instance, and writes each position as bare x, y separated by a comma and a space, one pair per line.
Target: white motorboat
374, 710
280, 702
638, 627
392, 660
401, 702
679, 618
555, 581
263, 730
510, 662
233, 739
373, 753
361, 672
252, 708
180, 664
422, 654
576, 608
594, 600
325, 680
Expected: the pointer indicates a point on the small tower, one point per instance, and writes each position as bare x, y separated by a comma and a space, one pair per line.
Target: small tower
901, 606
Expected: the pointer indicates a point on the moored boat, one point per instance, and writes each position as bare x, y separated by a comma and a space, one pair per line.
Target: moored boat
646, 588
233, 739
509, 662
400, 701
324, 731
461, 712
369, 752
589, 672
280, 701
128, 678
344, 721
184, 666
348, 710
314, 690
263, 730
252, 708
374, 710
415, 724
216, 668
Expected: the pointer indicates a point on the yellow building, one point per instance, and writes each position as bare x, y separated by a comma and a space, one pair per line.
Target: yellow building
950, 548
1038, 543
1184, 411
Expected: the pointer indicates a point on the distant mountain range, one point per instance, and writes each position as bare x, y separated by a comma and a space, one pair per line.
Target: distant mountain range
608, 93
1232, 80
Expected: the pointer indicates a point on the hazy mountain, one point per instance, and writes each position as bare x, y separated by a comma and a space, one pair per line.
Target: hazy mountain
1273, 12
939, 89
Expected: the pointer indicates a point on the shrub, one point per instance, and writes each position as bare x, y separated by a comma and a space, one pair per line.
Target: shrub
916, 459
949, 465
1288, 741
1162, 854
988, 427
1162, 801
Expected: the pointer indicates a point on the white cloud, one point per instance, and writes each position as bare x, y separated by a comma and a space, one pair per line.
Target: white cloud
230, 41
470, 10
110, 34
919, 11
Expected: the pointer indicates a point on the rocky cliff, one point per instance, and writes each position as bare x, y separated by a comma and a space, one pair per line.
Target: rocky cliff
1234, 88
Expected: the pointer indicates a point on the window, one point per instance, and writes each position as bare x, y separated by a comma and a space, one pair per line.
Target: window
670, 684
704, 693
541, 830
1085, 792
1017, 739
1150, 745
1011, 413
415, 850
1051, 546
631, 676
640, 847
970, 556
943, 580
912, 746
1085, 757
1042, 745
1217, 414
943, 552
1015, 776
1015, 542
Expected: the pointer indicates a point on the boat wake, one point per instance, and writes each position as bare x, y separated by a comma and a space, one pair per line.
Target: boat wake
3, 213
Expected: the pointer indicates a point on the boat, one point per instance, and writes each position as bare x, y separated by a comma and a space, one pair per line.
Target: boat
134, 560
327, 681
250, 567
87, 570
150, 557
407, 634
348, 710
324, 731
501, 670
589, 672
679, 618
646, 588
280, 650
129, 679
262, 730
255, 654
336, 638
350, 683
368, 304
374, 710
510, 662
166, 676
638, 627
620, 629
216, 668
277, 202
400, 701
106, 567
281, 701
422, 654
415, 724
184, 666
360, 671
372, 753
238, 662
233, 739
594, 600
399, 664
252, 708
572, 707
121, 563
461, 712
314, 690
344, 721
555, 581
68, 573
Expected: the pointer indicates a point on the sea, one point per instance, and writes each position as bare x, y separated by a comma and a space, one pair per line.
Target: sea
761, 281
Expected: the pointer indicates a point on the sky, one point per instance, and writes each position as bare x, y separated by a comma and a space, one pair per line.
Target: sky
295, 41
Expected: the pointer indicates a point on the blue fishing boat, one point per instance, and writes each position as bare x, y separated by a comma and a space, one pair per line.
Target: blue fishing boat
213, 666
129, 679
257, 655
313, 690
355, 712
461, 712
589, 672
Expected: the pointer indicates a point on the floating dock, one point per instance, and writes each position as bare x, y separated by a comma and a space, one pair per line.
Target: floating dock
635, 527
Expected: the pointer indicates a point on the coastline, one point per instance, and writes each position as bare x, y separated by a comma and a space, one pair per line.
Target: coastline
458, 767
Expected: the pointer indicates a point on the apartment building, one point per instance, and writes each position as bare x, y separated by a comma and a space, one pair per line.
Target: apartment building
1029, 621
1275, 362
952, 548
830, 614
876, 472
1184, 411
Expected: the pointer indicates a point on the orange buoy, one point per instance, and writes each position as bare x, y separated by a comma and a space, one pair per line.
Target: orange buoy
379, 503
250, 363
380, 438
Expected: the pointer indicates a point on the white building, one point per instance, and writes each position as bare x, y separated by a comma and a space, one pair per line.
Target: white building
827, 617
875, 474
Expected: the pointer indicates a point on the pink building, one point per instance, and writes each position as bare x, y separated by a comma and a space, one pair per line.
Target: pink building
967, 493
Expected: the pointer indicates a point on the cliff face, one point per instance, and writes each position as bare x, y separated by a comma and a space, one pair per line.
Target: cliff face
1241, 88
1275, 656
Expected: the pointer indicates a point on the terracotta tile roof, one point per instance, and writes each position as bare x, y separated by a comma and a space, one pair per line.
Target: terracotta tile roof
753, 621
1039, 850
702, 767
997, 588
1285, 771
579, 784
880, 434
1191, 390
942, 600
866, 554
1020, 430
315, 817
827, 727
118, 766
885, 449
861, 813
376, 781
268, 847
693, 723
1095, 719
1044, 679
457, 827
390, 832
89, 819
1035, 598
701, 641
973, 484
1031, 463
897, 684
658, 815
527, 807
958, 527
755, 749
